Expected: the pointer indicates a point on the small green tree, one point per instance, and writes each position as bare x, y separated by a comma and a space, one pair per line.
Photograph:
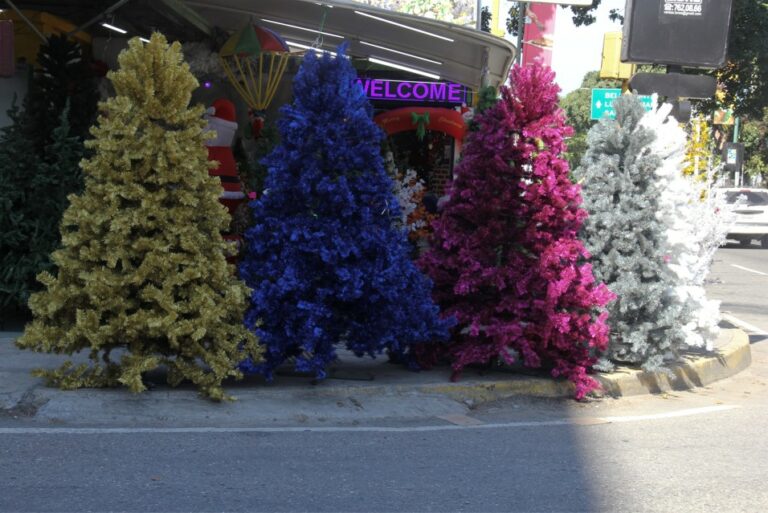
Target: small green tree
142, 267
63, 77
754, 135
33, 195
18, 165
39, 159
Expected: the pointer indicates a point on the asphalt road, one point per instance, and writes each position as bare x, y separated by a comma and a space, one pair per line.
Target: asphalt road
739, 278
694, 451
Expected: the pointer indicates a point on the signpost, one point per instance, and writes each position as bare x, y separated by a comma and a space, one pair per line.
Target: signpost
602, 103
733, 158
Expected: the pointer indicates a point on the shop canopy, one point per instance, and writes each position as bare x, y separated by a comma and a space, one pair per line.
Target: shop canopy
434, 48
443, 50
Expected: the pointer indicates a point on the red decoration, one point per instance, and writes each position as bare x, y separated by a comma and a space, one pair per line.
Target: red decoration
257, 123
447, 121
221, 119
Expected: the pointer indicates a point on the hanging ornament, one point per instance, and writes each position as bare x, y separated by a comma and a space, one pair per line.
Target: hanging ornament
256, 125
421, 121
254, 59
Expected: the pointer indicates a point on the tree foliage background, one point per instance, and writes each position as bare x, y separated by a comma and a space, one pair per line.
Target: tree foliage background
577, 106
744, 79
39, 157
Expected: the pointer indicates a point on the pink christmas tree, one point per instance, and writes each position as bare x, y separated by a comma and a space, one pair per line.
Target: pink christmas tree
505, 257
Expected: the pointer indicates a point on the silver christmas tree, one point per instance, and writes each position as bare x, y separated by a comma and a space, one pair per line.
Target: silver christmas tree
629, 239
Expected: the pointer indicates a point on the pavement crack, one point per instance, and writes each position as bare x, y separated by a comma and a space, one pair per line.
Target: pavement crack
28, 406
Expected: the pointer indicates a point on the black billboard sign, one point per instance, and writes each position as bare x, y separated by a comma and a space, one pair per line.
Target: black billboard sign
691, 33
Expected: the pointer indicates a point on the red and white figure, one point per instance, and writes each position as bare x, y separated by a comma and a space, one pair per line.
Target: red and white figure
221, 120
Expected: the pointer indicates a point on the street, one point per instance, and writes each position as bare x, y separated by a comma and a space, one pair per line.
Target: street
740, 280
683, 451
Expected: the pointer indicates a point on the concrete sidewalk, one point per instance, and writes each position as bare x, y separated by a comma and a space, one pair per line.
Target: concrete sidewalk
358, 391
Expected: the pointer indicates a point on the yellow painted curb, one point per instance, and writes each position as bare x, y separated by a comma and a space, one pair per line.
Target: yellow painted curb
732, 356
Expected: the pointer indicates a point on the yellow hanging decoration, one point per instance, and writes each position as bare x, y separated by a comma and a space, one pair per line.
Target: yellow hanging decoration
254, 59
698, 149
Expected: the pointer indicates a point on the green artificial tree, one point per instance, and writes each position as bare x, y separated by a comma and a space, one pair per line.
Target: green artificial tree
18, 164
39, 158
33, 189
142, 266
63, 76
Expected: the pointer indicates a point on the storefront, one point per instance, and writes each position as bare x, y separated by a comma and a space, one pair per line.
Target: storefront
423, 122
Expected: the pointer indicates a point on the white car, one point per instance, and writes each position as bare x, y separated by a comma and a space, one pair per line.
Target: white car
751, 216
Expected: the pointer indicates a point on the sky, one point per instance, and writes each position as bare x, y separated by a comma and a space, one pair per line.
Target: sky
578, 50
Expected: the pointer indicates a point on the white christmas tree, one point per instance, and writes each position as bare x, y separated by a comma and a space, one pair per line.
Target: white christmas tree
651, 235
409, 189
690, 228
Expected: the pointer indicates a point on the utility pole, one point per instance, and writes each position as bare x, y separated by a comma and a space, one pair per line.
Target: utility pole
736, 125
521, 7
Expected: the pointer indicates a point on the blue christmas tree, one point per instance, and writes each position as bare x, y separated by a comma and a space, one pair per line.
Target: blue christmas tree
324, 261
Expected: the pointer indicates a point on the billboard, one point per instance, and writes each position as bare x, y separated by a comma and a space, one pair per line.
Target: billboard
539, 35
692, 33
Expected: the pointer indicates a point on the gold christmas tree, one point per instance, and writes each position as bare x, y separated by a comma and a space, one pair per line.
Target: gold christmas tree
698, 149
142, 266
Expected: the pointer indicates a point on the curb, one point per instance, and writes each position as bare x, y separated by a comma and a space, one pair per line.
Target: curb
332, 398
694, 371
729, 359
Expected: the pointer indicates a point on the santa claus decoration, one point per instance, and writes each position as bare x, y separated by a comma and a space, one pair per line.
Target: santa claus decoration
221, 120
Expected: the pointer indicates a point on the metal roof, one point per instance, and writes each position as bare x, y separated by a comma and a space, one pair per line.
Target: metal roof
452, 52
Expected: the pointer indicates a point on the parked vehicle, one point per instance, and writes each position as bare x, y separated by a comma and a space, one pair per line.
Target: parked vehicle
751, 215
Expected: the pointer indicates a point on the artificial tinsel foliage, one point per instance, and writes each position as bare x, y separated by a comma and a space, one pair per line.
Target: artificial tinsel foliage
641, 236
327, 266
142, 270
505, 257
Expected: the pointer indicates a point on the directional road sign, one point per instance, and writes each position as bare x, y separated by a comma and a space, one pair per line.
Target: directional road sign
602, 103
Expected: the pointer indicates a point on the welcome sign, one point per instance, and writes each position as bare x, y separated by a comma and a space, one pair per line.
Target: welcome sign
410, 91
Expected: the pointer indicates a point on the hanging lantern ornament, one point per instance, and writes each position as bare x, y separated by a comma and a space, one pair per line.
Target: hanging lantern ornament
421, 121
254, 59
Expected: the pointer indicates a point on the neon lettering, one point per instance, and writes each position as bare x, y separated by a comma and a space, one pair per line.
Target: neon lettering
420, 91
439, 92
387, 93
401, 90
454, 93
376, 89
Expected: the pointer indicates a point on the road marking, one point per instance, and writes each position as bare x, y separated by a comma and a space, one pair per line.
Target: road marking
754, 330
749, 270
672, 414
461, 420
576, 421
